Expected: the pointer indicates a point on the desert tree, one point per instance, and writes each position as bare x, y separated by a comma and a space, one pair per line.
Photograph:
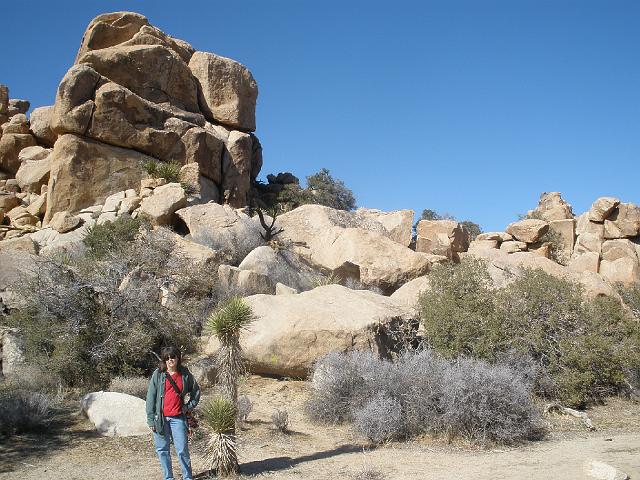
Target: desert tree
227, 323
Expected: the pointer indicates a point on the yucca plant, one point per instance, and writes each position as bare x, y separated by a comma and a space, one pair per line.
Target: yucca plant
227, 323
219, 417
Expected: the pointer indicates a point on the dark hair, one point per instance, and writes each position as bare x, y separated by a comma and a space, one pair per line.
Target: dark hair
167, 352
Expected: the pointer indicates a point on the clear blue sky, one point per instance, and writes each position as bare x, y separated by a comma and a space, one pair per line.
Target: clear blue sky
471, 107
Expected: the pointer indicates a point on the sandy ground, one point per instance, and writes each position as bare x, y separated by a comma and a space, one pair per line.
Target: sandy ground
71, 450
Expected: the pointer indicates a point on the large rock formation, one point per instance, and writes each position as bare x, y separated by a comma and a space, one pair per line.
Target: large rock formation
136, 88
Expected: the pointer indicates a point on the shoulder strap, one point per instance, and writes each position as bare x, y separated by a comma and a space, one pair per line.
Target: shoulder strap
173, 384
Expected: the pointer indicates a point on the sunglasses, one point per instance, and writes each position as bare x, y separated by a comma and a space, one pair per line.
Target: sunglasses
171, 357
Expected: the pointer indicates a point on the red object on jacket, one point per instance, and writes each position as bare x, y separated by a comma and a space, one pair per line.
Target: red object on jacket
172, 402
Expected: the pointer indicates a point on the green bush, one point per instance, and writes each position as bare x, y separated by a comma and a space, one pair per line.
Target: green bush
583, 348
170, 171
111, 236
321, 189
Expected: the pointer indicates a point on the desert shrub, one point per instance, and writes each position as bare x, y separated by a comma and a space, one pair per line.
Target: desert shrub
244, 406
630, 295
473, 228
487, 403
280, 421
581, 348
110, 237
457, 310
23, 410
380, 419
88, 319
136, 386
170, 171
368, 472
423, 392
321, 189
557, 252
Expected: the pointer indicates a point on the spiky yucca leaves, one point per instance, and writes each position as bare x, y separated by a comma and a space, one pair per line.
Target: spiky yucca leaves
227, 323
219, 417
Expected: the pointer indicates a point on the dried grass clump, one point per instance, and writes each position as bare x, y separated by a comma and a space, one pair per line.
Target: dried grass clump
22, 410
136, 386
280, 421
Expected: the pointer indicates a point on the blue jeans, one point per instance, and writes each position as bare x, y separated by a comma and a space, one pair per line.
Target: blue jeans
175, 427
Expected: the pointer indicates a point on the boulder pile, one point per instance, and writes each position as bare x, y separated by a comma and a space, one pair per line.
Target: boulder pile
134, 97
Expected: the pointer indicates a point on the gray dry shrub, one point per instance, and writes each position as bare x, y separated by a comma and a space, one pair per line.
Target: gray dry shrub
244, 407
22, 410
280, 421
369, 473
423, 392
380, 419
135, 385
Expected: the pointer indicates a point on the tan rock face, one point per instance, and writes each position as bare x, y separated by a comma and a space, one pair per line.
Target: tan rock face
615, 249
513, 246
228, 91
40, 121
4, 99
398, 223
291, 332
552, 207
497, 236
74, 105
564, 230
85, 172
160, 207
479, 244
17, 124
336, 242
586, 262
32, 175
624, 270
153, 72
8, 201
442, 237
602, 208
529, 230
10, 146
236, 168
244, 282
624, 222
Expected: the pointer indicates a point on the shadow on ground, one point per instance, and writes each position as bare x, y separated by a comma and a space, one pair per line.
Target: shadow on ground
28, 448
268, 465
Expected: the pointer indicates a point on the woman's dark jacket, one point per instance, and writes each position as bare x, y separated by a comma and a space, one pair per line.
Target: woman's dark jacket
155, 396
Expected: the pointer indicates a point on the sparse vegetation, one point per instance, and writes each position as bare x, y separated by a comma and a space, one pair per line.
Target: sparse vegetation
91, 318
23, 410
244, 406
582, 347
280, 421
110, 237
424, 393
134, 385
473, 228
170, 171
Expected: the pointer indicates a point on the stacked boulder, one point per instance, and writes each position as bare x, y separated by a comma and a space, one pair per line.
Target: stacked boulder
134, 96
442, 237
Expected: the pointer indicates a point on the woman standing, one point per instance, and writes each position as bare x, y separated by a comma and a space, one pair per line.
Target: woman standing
169, 385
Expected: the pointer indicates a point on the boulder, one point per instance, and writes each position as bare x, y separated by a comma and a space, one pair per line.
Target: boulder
614, 249
32, 175
442, 237
244, 282
40, 121
160, 207
236, 169
4, 99
623, 270
326, 239
552, 206
602, 208
20, 217
8, 201
18, 106
84, 172
74, 104
63, 222
529, 230
497, 236
200, 188
282, 289
281, 266
291, 332
231, 233
480, 244
115, 414
16, 124
585, 262
565, 232
623, 222
10, 146
544, 249
409, 293
154, 72
128, 28
19, 244
227, 91
397, 224
513, 246
34, 154
603, 471
11, 351
38, 206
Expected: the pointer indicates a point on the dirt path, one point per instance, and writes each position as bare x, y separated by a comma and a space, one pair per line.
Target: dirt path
320, 452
